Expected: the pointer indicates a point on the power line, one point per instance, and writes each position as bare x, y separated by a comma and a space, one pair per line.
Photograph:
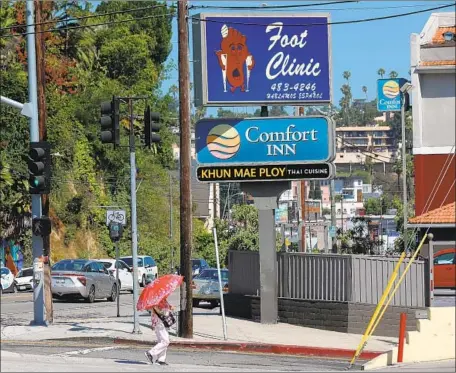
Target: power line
84, 17
94, 25
329, 23
272, 7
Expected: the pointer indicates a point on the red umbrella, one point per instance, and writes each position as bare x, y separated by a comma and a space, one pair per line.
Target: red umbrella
157, 291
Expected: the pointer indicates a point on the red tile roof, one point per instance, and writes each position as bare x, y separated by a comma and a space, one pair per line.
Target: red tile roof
438, 36
443, 215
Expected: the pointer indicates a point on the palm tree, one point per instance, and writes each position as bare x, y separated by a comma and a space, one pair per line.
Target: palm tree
381, 72
393, 74
364, 88
347, 75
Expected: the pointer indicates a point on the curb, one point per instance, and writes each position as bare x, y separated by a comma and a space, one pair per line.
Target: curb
261, 348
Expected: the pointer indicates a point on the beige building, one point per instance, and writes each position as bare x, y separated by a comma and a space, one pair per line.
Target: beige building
355, 144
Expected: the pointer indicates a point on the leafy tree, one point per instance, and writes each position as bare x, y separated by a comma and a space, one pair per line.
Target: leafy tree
357, 240
393, 74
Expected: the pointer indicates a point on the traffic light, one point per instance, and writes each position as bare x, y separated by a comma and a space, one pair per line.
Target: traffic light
40, 167
407, 105
41, 226
109, 121
151, 127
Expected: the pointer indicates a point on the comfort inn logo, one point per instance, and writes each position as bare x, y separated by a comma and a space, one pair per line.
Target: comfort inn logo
223, 141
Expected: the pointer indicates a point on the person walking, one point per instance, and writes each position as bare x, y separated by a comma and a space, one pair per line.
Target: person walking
160, 323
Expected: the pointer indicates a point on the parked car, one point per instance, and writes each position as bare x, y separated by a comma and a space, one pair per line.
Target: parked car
125, 273
146, 266
445, 268
198, 265
206, 287
88, 279
24, 279
6, 281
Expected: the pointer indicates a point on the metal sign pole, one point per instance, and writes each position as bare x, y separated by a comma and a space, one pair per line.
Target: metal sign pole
222, 304
117, 279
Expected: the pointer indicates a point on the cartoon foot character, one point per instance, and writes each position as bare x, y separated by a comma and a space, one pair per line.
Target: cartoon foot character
232, 57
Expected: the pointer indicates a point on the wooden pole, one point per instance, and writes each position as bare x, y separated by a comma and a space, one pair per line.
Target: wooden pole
42, 117
186, 306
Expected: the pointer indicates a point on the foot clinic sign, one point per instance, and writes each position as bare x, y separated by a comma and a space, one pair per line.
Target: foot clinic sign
261, 59
259, 141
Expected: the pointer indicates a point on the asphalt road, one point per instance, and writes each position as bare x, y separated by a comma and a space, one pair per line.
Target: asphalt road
17, 309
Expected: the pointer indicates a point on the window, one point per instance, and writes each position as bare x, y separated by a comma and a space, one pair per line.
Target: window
107, 265
69, 265
149, 262
447, 258
5, 271
129, 261
26, 273
94, 267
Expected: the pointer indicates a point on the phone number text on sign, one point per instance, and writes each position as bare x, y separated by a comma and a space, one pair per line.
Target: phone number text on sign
298, 91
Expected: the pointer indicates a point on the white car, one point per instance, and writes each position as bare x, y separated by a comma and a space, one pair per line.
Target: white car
146, 267
24, 279
125, 273
6, 281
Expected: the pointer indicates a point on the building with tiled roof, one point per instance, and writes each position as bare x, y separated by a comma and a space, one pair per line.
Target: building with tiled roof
433, 77
444, 216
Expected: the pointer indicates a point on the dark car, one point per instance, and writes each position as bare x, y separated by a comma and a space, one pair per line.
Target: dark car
198, 266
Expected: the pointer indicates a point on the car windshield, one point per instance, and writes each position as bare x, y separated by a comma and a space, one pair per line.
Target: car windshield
211, 274
26, 273
129, 261
69, 265
107, 265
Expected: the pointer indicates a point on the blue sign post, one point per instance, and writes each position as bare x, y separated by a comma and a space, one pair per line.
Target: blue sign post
259, 141
258, 59
389, 95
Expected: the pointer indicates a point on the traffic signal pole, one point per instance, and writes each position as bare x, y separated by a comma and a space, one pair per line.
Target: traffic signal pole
134, 226
37, 241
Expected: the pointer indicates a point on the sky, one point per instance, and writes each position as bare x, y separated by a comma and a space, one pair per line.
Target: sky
359, 48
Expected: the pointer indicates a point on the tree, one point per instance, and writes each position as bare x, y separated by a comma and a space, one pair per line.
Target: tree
347, 75
364, 88
393, 74
357, 240
381, 72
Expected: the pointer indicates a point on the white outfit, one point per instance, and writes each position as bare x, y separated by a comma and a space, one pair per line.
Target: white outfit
158, 352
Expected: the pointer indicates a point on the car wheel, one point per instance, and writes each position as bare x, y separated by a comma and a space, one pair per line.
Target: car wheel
143, 280
91, 297
113, 296
196, 302
213, 303
15, 289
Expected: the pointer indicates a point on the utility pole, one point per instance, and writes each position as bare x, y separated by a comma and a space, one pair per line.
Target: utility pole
37, 241
171, 220
333, 215
303, 216
42, 118
134, 227
186, 309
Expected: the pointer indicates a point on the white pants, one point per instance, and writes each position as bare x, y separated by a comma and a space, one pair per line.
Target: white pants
158, 352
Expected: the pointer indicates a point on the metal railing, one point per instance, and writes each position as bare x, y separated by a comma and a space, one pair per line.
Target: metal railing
330, 277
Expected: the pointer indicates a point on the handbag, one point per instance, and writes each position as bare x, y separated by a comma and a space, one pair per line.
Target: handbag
167, 318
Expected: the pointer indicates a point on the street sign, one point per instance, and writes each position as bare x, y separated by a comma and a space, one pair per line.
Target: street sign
332, 231
245, 173
116, 216
259, 141
261, 59
389, 95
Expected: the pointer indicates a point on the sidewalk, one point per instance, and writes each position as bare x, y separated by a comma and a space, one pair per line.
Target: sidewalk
243, 335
